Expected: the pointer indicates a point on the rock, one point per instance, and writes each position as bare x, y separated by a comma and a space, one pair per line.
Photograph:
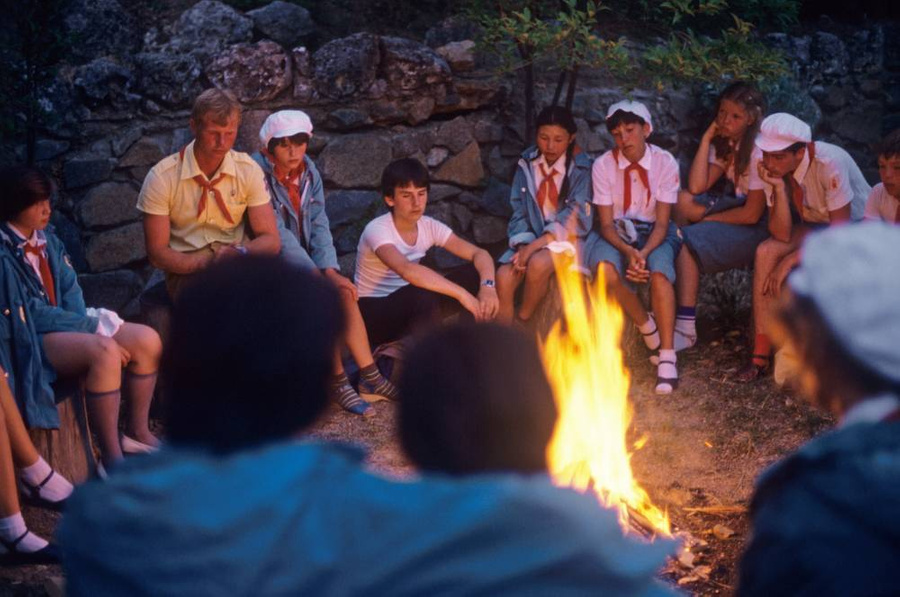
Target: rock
872, 89
590, 140
472, 94
70, 235
442, 192
452, 29
460, 55
443, 260
283, 22
440, 211
463, 217
470, 200
455, 135
180, 138
116, 248
80, 172
499, 166
344, 119
111, 290
146, 152
463, 169
346, 66
487, 230
125, 138
100, 28
420, 109
47, 149
355, 161
495, 199
836, 97
304, 86
346, 207
248, 134
346, 239
253, 72
207, 27
726, 295
436, 157
859, 122
487, 131
102, 80
866, 50
109, 204
829, 55
412, 141
408, 65
347, 263
173, 80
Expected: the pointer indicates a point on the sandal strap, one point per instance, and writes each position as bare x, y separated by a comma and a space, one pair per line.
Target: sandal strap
35, 490
11, 545
655, 329
661, 361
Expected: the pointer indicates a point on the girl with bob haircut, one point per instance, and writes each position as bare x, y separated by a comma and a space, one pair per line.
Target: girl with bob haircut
55, 335
550, 199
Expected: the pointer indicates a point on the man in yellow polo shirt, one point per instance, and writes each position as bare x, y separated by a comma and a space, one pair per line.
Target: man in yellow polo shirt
196, 201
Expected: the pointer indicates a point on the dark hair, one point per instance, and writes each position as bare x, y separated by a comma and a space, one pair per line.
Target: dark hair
818, 347
249, 354
621, 117
889, 147
752, 100
795, 147
22, 187
476, 399
297, 139
402, 173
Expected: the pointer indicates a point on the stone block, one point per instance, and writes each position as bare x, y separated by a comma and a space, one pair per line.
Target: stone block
487, 230
116, 248
347, 66
253, 72
463, 169
455, 135
346, 207
109, 204
146, 152
355, 161
111, 290
283, 22
80, 172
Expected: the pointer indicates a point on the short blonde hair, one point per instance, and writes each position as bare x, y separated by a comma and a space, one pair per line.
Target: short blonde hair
219, 105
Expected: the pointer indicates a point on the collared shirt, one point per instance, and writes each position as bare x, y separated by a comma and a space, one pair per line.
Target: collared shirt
882, 205
37, 239
169, 190
831, 181
749, 179
548, 211
608, 178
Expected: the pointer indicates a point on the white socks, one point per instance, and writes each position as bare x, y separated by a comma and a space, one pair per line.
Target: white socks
650, 333
13, 527
57, 487
685, 328
666, 372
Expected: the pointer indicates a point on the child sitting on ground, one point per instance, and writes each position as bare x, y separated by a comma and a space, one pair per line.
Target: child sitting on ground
809, 185
299, 203
721, 231
635, 186
884, 200
552, 186
397, 293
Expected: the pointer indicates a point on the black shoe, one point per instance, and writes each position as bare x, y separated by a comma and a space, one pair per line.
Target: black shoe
32, 495
13, 557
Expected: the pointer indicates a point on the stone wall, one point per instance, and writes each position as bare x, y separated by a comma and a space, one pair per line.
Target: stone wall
124, 104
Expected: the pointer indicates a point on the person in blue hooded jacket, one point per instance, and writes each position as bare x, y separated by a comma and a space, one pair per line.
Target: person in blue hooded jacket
299, 202
550, 199
53, 334
826, 519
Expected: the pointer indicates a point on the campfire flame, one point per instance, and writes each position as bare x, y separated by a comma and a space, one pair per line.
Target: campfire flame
583, 357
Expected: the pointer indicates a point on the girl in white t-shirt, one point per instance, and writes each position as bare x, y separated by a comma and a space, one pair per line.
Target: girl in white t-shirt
396, 292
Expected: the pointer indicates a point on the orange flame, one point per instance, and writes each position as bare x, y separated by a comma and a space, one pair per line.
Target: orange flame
583, 358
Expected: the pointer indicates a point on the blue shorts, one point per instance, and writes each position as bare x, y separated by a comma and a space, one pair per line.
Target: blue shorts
661, 260
718, 247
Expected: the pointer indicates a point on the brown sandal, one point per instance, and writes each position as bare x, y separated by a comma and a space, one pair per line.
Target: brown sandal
757, 367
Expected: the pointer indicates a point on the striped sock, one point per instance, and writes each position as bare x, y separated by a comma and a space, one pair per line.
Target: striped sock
374, 386
343, 393
685, 327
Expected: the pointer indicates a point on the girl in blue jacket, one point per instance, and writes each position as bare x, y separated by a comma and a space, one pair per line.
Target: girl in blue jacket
550, 197
56, 330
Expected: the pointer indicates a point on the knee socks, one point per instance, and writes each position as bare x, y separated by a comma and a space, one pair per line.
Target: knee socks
103, 413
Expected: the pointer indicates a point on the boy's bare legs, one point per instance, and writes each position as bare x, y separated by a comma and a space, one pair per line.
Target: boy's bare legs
687, 279
662, 297
629, 301
145, 348
537, 280
508, 280
356, 337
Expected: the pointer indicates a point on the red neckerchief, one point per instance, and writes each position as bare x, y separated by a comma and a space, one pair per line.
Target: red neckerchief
207, 186
44, 266
548, 190
642, 172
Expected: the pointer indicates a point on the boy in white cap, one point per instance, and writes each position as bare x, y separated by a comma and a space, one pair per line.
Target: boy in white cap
809, 185
299, 202
825, 519
635, 186
884, 200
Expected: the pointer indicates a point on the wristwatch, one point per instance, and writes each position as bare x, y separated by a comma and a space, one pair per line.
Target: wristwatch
488, 283
241, 249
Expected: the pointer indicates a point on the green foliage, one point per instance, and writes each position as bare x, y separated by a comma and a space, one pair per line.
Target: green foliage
707, 15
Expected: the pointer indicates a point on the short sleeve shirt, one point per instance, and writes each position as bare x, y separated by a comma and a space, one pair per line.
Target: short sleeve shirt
608, 179
882, 206
749, 179
170, 190
373, 277
830, 181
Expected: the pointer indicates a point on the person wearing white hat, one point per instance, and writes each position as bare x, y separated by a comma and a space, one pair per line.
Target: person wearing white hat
826, 520
198, 201
809, 185
635, 187
884, 200
299, 202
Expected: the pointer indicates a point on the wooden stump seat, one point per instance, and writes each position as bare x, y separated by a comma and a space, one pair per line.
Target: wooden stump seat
68, 449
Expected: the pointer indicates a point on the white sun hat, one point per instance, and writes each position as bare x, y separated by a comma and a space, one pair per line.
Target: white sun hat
285, 123
632, 107
779, 131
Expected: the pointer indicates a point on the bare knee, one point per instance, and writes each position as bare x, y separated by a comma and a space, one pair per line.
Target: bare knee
659, 279
610, 273
540, 266
104, 354
769, 252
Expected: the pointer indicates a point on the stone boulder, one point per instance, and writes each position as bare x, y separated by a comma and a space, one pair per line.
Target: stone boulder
101, 28
111, 290
408, 65
829, 55
146, 152
860, 122
47, 149
124, 138
487, 230
102, 80
455, 135
116, 248
283, 22
70, 235
355, 161
304, 85
347, 66
253, 72
450, 30
345, 207
460, 55
173, 80
495, 199
109, 204
463, 169
248, 134
209, 26
83, 171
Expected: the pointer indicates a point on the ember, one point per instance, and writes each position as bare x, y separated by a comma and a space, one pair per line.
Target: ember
583, 358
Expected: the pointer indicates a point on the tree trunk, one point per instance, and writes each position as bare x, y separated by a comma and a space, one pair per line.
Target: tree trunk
67, 449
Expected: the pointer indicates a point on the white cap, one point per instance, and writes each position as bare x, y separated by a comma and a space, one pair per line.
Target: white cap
636, 108
852, 274
285, 123
779, 131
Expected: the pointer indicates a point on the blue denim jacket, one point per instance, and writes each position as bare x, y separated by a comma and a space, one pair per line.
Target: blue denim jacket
316, 241
527, 222
27, 314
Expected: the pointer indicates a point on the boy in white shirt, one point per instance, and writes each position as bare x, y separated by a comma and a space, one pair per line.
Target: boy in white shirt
809, 185
635, 186
396, 292
884, 200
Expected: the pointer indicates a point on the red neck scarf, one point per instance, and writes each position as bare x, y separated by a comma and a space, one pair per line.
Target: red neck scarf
642, 172
547, 191
44, 266
209, 186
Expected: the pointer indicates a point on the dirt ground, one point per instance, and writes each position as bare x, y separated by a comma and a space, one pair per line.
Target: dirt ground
707, 443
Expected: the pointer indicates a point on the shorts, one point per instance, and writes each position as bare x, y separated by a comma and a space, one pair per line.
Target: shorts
661, 260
